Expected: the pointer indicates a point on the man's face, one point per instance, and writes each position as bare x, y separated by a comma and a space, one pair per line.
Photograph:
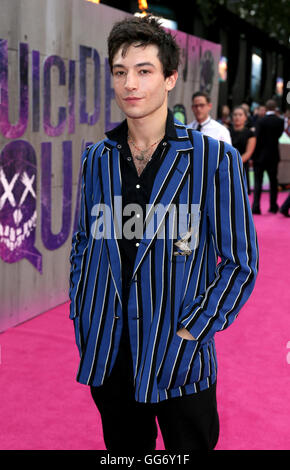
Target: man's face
140, 86
201, 108
261, 111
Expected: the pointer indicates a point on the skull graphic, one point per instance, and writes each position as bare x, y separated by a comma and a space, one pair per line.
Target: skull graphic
18, 213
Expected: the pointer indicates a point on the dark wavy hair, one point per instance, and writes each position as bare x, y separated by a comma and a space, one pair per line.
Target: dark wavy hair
143, 31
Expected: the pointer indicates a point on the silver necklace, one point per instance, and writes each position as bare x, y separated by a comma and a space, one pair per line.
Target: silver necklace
142, 153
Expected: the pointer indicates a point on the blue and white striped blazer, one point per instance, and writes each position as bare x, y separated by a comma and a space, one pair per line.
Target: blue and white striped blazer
202, 291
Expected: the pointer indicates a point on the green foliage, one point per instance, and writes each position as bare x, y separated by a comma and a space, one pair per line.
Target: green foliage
271, 16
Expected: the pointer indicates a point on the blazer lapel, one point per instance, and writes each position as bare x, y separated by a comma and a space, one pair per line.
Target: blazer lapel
111, 182
169, 177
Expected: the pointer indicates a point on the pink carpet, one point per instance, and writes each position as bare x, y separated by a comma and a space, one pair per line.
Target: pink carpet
42, 407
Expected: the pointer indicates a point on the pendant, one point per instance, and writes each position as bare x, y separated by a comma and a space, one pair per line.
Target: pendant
140, 157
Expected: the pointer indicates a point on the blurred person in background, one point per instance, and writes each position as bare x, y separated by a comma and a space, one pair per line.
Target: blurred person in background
250, 121
287, 122
204, 123
279, 113
259, 113
284, 209
243, 138
266, 157
225, 116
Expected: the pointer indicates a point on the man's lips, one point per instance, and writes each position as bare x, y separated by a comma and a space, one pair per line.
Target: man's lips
132, 99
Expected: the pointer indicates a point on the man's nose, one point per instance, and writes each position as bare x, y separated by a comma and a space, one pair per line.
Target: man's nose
131, 81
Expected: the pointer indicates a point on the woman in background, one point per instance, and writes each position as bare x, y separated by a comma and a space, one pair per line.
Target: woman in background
243, 138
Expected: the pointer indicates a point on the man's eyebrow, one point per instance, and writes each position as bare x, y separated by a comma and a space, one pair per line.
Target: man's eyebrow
144, 64
141, 64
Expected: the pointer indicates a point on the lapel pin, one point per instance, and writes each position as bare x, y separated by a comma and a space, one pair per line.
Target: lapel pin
183, 245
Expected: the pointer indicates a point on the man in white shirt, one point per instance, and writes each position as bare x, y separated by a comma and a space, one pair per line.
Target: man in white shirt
201, 106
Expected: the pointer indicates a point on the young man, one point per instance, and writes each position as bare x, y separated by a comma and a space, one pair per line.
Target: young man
201, 107
147, 303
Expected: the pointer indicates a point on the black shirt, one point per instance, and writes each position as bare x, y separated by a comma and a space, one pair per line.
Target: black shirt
136, 189
240, 138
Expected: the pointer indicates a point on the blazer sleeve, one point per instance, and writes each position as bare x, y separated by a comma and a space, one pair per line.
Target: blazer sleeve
232, 229
80, 239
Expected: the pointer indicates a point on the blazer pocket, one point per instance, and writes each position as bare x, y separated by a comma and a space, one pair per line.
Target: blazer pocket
179, 363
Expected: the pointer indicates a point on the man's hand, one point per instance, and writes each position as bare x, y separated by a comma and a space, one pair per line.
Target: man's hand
184, 333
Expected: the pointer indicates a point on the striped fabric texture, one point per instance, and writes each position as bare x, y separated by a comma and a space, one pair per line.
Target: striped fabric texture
202, 291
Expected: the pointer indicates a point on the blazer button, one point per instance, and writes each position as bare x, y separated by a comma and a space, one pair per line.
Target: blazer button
116, 316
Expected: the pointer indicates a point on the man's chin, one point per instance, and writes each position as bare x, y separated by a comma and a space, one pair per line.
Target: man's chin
136, 114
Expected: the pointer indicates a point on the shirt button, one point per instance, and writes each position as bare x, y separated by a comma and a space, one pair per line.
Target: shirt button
129, 159
164, 143
138, 186
137, 244
119, 146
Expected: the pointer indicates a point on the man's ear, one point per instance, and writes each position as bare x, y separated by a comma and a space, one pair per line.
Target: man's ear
171, 80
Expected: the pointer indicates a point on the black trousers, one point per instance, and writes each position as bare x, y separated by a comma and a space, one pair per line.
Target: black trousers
190, 422
272, 173
286, 204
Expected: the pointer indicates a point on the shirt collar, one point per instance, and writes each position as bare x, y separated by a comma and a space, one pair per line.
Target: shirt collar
120, 133
205, 122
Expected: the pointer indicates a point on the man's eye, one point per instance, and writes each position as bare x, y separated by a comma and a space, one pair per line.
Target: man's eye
144, 72
119, 73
